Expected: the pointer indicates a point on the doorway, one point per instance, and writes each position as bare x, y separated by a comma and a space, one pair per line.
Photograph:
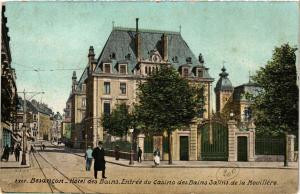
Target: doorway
242, 149
184, 148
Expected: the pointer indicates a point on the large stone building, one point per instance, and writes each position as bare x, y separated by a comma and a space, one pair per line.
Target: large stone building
128, 57
66, 123
8, 87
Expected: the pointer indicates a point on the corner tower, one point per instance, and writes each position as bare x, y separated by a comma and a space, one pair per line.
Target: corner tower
223, 90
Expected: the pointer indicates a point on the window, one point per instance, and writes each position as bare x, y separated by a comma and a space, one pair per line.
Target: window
123, 88
122, 69
106, 107
106, 87
199, 73
83, 102
146, 70
185, 72
149, 70
107, 68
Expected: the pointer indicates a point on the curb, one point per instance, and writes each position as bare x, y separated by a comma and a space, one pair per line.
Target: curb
181, 166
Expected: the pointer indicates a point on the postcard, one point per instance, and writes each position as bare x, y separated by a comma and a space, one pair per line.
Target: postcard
149, 97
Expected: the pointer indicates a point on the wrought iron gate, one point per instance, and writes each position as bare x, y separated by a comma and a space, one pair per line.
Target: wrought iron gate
214, 141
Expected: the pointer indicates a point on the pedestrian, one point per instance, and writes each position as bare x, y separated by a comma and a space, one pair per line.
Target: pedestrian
99, 163
140, 154
5, 154
88, 158
156, 155
43, 146
17, 152
117, 152
32, 149
12, 148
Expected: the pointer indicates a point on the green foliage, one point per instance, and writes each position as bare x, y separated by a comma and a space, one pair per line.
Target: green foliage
276, 106
124, 146
118, 122
168, 102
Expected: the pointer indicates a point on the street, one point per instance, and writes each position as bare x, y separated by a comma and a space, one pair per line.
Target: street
57, 170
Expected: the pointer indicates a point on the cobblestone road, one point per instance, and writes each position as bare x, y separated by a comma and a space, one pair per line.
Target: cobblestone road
55, 170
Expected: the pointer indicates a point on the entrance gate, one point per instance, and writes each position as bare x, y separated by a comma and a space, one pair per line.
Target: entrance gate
214, 140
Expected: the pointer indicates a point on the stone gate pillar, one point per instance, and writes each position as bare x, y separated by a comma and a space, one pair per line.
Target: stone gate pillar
232, 151
193, 140
290, 143
140, 142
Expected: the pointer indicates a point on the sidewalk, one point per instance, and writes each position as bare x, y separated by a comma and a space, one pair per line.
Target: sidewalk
12, 163
199, 164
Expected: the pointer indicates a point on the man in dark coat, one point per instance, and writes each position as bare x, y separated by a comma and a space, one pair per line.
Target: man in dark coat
5, 155
17, 152
99, 161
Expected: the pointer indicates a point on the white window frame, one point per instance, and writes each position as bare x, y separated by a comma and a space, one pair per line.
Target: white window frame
183, 75
125, 88
104, 64
125, 69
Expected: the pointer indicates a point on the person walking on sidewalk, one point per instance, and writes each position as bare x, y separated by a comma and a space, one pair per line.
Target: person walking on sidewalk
117, 152
5, 154
156, 155
88, 158
140, 155
99, 164
17, 152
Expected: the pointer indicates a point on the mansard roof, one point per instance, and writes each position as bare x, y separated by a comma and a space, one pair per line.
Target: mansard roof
120, 46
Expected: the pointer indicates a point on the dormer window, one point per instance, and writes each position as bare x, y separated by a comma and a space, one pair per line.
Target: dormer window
123, 69
185, 71
107, 68
127, 57
199, 73
113, 56
189, 60
175, 59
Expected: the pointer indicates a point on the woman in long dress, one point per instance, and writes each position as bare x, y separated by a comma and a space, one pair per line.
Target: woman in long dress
156, 156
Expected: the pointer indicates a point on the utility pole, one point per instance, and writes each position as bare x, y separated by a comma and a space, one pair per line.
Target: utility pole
23, 162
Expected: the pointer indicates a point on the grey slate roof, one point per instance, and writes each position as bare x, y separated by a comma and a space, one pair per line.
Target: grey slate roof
223, 83
80, 82
248, 88
121, 42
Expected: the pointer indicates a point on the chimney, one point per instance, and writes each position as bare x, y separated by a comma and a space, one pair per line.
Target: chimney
137, 40
74, 81
91, 57
165, 47
137, 25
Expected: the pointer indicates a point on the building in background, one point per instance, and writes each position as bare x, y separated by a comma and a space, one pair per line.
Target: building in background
66, 123
236, 100
9, 97
77, 104
56, 127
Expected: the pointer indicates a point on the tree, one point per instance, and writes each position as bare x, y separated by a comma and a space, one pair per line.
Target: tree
118, 122
276, 105
168, 102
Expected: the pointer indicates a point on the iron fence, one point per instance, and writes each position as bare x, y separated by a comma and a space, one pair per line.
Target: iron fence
269, 146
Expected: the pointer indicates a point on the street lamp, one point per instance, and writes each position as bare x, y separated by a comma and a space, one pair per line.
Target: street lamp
131, 151
231, 115
23, 162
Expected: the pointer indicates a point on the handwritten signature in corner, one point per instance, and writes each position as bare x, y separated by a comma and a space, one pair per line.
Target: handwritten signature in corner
227, 173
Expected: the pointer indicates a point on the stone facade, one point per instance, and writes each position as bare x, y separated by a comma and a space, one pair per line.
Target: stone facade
233, 134
8, 87
114, 76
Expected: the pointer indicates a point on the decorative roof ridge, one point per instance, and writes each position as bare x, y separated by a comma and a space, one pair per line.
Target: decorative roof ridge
119, 28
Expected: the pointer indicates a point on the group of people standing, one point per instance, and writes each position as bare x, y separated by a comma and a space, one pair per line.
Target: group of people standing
99, 161
10, 150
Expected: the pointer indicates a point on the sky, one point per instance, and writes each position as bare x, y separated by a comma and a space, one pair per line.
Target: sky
48, 36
